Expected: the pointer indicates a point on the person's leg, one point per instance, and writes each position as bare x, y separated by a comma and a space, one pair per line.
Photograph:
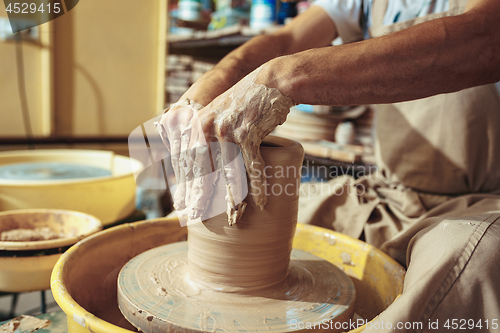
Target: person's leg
453, 279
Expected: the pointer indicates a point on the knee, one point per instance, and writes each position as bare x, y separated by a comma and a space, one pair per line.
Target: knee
453, 243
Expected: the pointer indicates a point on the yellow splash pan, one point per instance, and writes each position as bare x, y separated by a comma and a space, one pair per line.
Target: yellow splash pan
109, 198
84, 279
27, 265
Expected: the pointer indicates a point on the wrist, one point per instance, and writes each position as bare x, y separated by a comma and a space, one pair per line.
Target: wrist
184, 102
211, 84
273, 74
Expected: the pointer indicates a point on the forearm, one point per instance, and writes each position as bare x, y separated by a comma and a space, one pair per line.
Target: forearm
440, 56
234, 67
314, 28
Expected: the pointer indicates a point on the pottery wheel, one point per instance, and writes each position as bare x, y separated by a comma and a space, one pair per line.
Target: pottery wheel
156, 295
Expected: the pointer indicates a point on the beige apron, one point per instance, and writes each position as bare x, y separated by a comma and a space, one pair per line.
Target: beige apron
432, 154
434, 205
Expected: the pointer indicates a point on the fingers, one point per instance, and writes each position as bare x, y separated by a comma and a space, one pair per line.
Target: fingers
179, 164
191, 163
255, 164
163, 134
174, 128
202, 177
201, 185
244, 114
184, 166
233, 173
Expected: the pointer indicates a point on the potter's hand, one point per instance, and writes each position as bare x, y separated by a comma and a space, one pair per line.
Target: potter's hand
181, 132
244, 115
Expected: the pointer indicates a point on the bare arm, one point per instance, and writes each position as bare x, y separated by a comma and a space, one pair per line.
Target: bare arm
226, 90
312, 29
440, 56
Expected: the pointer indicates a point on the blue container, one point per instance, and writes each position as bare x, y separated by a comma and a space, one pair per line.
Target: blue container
189, 10
262, 13
287, 10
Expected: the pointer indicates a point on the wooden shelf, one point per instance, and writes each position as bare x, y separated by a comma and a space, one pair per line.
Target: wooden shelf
214, 44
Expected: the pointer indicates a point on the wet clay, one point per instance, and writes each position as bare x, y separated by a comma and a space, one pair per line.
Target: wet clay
238, 277
244, 115
24, 323
155, 294
255, 252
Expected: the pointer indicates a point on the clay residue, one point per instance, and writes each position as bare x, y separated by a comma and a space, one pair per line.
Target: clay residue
156, 293
243, 115
24, 324
28, 235
265, 109
346, 259
330, 239
394, 270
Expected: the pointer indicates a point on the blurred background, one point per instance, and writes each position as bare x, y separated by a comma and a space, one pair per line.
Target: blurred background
88, 78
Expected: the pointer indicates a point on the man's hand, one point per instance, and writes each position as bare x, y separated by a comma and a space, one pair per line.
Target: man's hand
181, 133
202, 142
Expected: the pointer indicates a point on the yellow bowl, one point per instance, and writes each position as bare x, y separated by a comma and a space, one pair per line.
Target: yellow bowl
84, 279
73, 225
378, 278
26, 266
25, 274
109, 198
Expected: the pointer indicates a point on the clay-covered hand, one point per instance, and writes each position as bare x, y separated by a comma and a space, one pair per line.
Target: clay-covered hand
246, 114
243, 115
176, 127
